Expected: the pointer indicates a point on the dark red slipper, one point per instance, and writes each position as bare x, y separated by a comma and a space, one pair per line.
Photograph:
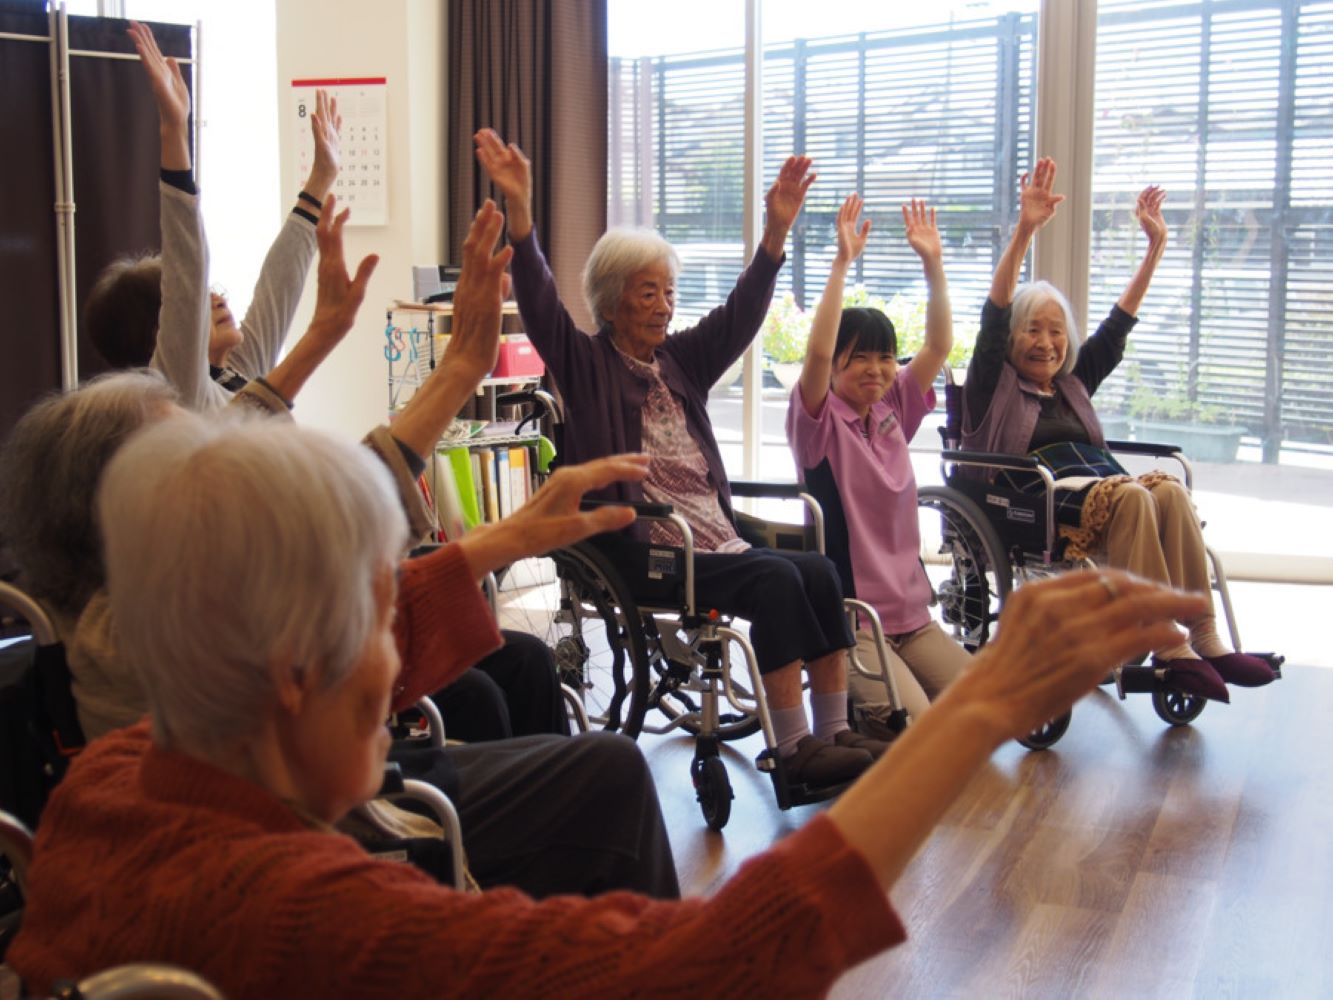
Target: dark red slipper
1243, 669
1195, 677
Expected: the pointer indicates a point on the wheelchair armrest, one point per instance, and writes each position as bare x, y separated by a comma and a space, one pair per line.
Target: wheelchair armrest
1144, 448
392, 784
752, 488
996, 459
641, 507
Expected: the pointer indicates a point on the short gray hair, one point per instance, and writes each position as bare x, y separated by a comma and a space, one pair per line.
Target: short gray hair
237, 549
49, 471
1031, 297
618, 254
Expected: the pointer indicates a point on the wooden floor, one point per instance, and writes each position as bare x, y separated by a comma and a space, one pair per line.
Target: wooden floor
1131, 860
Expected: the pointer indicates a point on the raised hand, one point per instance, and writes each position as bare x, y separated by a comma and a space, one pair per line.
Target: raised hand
474, 343
1148, 210
338, 296
922, 235
1037, 199
173, 97
326, 129
1058, 637
783, 202
511, 172
851, 238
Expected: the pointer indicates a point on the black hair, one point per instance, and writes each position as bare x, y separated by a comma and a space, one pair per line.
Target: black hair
864, 329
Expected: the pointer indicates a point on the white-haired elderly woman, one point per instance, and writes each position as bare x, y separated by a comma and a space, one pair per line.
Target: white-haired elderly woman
632, 388
1029, 391
261, 617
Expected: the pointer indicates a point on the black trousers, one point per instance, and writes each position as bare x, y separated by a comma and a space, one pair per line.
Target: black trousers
792, 600
552, 814
513, 692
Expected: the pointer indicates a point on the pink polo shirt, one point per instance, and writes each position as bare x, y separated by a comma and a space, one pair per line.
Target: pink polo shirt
868, 491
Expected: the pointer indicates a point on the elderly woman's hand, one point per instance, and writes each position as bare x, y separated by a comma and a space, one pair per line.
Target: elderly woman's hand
510, 171
474, 340
783, 203
1037, 199
1148, 210
1057, 638
552, 518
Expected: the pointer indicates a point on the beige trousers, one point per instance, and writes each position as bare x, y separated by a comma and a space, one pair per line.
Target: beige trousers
923, 664
1155, 533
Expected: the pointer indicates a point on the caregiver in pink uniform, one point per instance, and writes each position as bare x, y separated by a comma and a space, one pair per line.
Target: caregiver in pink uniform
849, 421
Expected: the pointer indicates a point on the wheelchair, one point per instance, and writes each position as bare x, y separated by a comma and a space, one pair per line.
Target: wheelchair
990, 538
630, 638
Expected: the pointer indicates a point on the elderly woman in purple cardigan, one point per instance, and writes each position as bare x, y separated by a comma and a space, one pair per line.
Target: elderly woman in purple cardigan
631, 387
1029, 391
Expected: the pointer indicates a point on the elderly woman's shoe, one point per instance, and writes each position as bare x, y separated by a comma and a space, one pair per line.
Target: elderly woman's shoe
1194, 677
821, 764
1243, 669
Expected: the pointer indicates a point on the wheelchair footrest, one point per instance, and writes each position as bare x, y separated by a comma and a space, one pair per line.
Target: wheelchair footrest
791, 793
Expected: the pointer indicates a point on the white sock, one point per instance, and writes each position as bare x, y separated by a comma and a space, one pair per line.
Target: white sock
830, 712
789, 727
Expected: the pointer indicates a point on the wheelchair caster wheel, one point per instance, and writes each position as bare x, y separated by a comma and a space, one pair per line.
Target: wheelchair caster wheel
712, 788
1177, 707
1047, 734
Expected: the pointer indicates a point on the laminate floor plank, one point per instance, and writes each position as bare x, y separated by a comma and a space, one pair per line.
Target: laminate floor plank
1134, 859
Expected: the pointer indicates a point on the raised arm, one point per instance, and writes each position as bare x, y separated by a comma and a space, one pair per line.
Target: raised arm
924, 238
282, 277
339, 298
1148, 210
183, 326
511, 172
1037, 205
783, 203
818, 365
474, 341
1075, 627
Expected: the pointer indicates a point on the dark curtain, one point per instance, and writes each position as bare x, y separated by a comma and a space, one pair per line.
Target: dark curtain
115, 151
535, 71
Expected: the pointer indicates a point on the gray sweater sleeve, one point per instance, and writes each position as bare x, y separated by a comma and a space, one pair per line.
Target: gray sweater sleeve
183, 324
276, 296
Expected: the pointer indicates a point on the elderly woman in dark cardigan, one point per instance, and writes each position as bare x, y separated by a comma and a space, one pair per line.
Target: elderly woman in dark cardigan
631, 387
1029, 390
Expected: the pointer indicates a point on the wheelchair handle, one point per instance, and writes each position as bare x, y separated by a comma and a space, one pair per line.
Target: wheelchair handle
644, 508
752, 488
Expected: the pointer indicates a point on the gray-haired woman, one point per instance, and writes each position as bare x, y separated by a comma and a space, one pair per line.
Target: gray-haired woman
261, 617
632, 388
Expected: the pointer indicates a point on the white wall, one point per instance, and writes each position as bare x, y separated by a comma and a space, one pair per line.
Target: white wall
402, 40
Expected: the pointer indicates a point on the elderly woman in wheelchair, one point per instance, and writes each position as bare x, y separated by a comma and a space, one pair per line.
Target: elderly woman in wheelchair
1029, 392
208, 825
632, 388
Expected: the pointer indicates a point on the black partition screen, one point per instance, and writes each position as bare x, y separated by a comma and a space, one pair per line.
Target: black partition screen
114, 153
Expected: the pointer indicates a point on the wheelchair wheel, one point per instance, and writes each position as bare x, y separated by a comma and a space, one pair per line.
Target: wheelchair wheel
976, 577
1047, 734
712, 788
1177, 707
575, 601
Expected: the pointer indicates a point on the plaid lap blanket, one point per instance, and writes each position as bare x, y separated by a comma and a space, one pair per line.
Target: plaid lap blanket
1067, 460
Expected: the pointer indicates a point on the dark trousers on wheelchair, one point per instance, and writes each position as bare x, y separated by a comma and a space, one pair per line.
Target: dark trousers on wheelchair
513, 692
792, 600
553, 814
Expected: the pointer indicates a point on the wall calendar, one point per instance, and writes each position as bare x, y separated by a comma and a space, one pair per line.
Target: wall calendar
363, 178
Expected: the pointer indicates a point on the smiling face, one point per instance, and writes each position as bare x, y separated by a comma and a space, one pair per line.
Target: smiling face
1038, 348
862, 376
643, 314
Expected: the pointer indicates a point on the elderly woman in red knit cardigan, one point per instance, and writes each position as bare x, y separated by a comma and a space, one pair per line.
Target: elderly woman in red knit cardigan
252, 571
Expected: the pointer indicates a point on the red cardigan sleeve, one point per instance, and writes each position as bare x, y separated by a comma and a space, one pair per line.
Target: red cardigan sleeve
443, 626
